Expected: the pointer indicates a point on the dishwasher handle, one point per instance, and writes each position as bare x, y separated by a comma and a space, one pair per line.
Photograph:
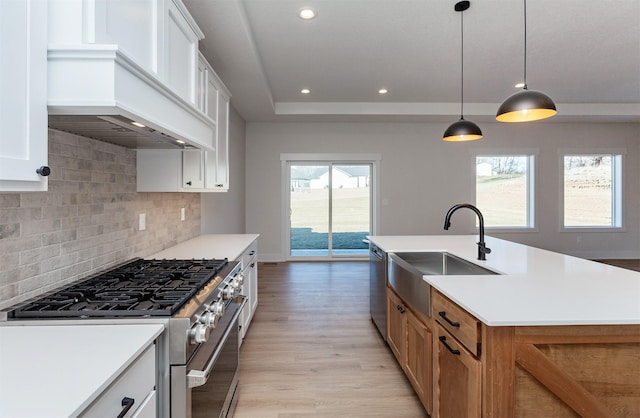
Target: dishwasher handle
375, 251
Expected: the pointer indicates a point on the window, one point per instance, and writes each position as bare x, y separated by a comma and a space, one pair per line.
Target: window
592, 188
504, 190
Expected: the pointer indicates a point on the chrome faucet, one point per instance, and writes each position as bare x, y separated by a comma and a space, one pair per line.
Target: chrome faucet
482, 248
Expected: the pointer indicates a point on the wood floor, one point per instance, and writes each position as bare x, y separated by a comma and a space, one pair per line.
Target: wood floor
312, 351
631, 264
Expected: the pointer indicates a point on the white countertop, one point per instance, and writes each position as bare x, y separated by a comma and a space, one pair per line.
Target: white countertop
58, 370
229, 246
536, 287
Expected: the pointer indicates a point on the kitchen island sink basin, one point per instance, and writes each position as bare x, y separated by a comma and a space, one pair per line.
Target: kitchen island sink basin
406, 270
441, 264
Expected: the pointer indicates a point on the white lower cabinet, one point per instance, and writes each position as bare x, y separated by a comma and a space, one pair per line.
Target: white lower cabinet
133, 390
148, 408
249, 263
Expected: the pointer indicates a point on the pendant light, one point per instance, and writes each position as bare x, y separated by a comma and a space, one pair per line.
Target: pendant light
526, 105
462, 130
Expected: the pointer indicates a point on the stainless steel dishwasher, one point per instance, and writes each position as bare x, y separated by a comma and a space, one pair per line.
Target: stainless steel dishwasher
378, 288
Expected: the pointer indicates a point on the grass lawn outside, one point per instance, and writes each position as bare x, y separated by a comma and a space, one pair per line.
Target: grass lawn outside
310, 219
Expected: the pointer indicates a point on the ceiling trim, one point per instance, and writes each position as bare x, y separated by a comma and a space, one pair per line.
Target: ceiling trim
242, 11
444, 109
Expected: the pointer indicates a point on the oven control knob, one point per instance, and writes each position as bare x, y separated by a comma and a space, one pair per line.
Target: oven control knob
240, 278
199, 334
217, 308
228, 292
235, 283
209, 319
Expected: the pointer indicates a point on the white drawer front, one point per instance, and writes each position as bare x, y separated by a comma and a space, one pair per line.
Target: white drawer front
136, 382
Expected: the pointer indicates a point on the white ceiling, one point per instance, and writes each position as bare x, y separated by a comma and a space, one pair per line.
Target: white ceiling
584, 54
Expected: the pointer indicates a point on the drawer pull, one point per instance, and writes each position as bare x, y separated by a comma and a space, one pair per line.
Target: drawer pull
443, 340
443, 314
127, 403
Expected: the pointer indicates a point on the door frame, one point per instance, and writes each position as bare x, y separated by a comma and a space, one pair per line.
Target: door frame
313, 158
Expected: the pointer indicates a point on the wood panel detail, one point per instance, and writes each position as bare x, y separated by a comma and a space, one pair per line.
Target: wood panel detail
498, 374
595, 380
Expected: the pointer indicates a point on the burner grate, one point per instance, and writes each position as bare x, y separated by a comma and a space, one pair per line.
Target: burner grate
138, 288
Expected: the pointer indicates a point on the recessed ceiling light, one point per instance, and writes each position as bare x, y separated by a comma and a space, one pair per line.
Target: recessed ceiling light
519, 85
138, 124
305, 91
180, 141
307, 13
383, 91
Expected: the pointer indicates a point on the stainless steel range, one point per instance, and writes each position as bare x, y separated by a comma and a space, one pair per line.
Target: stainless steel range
200, 301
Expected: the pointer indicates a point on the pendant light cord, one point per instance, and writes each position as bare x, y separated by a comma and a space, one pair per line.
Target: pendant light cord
525, 45
461, 64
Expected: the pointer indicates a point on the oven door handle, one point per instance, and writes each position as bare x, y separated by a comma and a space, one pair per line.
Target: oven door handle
197, 378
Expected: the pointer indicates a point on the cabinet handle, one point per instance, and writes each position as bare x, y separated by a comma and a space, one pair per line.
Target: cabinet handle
253, 265
44, 171
189, 183
219, 185
127, 403
443, 340
443, 314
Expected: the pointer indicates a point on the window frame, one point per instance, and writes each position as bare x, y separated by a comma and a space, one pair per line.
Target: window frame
532, 155
617, 189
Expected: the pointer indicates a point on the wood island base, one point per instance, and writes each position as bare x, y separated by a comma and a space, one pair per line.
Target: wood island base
561, 371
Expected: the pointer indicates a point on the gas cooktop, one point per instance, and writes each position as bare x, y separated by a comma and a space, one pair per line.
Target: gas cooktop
137, 288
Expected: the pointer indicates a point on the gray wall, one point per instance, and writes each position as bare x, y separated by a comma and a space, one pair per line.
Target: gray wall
87, 221
223, 213
421, 177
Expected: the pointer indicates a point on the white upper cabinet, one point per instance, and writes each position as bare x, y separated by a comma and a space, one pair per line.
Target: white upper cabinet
164, 170
214, 98
137, 60
181, 52
134, 26
23, 95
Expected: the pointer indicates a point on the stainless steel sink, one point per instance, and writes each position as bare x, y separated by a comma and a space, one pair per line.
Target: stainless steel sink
406, 270
441, 264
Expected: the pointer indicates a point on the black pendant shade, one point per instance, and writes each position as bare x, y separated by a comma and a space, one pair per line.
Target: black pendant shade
462, 130
527, 105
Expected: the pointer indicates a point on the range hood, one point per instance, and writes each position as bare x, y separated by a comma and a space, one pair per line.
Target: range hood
116, 130
97, 91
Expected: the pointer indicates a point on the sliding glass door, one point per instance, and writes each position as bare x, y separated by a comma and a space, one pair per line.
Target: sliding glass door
329, 209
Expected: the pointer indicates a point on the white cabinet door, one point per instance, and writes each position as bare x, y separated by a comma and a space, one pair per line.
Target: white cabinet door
192, 169
132, 26
249, 263
170, 170
212, 96
158, 170
222, 150
23, 95
201, 87
181, 48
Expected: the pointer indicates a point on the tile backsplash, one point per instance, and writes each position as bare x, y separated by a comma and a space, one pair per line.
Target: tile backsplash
87, 221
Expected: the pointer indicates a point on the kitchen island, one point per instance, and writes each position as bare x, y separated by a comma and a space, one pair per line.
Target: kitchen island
549, 335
